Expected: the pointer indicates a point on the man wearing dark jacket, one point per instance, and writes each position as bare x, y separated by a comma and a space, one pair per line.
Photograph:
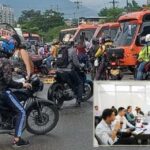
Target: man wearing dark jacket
73, 69
6, 95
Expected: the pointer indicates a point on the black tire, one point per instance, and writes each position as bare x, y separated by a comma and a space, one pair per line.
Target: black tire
90, 91
55, 94
44, 70
30, 128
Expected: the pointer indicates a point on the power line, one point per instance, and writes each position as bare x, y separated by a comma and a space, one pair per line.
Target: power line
114, 2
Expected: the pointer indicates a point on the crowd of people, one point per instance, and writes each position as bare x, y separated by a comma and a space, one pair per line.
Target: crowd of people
115, 127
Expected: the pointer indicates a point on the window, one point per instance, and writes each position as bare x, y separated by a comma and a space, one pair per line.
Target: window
88, 34
103, 32
126, 34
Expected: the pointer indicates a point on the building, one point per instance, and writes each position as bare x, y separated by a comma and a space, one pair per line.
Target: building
6, 14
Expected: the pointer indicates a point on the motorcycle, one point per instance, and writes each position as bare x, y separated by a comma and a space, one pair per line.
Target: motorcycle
109, 66
61, 91
39, 65
41, 115
146, 72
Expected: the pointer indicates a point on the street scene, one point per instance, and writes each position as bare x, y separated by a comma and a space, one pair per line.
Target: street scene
52, 52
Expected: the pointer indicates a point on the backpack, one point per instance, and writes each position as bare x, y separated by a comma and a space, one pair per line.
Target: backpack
62, 58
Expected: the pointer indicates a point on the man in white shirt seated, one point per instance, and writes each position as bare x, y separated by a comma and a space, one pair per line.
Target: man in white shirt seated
107, 131
126, 127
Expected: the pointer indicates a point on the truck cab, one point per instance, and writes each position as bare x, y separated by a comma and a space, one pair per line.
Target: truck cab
107, 29
133, 26
88, 31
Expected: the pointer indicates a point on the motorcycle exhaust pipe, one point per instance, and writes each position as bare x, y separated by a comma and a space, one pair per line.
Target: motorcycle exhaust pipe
7, 132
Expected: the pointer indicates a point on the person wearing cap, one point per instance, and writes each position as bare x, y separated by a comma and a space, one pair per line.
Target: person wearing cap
144, 58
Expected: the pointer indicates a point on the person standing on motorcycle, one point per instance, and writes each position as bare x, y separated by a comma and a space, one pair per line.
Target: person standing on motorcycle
21, 58
144, 58
6, 82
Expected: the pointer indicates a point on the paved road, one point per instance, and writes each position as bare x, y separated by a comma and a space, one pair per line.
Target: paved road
73, 132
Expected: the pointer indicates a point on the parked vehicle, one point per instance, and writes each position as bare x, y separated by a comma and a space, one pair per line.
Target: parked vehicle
107, 29
133, 26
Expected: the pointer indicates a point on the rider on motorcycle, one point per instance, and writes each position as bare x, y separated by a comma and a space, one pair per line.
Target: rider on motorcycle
7, 48
72, 69
144, 58
105, 42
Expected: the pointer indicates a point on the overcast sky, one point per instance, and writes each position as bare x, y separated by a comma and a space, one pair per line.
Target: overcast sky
98, 4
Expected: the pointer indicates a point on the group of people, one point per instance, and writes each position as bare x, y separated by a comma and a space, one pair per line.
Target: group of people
115, 126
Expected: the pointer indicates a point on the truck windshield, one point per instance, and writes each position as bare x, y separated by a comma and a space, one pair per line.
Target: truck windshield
126, 34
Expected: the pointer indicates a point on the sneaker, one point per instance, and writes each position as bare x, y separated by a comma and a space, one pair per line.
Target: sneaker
21, 142
78, 104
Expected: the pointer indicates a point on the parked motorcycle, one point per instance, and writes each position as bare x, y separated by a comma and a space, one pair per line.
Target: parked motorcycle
61, 91
41, 115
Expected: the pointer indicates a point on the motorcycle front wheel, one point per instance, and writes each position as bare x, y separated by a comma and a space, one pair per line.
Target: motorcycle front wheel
42, 119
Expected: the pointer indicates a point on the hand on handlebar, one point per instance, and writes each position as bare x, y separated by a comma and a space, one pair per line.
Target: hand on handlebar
27, 85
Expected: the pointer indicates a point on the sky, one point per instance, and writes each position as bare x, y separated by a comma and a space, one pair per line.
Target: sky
98, 4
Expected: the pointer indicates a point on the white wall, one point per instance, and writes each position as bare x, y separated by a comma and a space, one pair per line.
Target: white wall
122, 94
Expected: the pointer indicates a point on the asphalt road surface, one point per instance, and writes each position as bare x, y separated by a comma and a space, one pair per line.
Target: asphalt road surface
73, 132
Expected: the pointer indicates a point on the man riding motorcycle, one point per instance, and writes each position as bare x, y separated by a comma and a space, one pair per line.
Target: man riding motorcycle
144, 58
7, 49
72, 69
105, 42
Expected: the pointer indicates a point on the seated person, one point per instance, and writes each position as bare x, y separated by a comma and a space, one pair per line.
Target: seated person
107, 130
126, 127
138, 112
129, 115
143, 58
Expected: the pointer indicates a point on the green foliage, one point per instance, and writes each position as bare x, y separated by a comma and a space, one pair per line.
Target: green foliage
112, 14
47, 24
133, 6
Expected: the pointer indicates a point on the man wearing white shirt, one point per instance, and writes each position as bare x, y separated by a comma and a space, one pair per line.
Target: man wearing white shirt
107, 130
104, 131
125, 125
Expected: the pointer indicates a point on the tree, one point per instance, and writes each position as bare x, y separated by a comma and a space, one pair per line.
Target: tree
41, 23
133, 6
111, 13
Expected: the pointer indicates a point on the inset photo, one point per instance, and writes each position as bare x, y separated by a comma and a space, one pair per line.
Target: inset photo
121, 113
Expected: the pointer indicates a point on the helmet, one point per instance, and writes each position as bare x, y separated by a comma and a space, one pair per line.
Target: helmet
147, 38
17, 40
7, 47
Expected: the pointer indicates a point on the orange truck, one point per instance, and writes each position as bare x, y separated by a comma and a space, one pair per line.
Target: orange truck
33, 38
87, 29
133, 26
65, 32
105, 29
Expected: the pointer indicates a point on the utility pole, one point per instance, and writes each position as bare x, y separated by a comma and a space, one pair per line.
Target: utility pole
114, 2
57, 8
127, 4
51, 6
78, 4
